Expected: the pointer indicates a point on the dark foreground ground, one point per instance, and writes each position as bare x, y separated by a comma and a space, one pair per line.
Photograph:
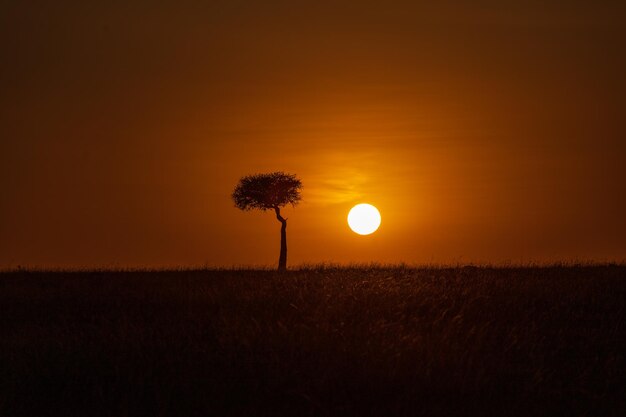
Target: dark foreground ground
327, 342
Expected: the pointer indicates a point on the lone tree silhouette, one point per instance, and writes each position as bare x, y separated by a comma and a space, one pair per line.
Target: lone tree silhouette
269, 192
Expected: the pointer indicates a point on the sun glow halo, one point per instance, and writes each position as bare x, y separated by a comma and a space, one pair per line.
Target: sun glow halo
364, 219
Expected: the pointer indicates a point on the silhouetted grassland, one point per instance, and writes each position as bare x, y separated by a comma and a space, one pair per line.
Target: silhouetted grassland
326, 341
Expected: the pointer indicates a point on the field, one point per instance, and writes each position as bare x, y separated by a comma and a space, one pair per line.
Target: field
469, 341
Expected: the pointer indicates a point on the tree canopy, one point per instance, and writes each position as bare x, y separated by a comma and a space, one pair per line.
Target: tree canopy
267, 191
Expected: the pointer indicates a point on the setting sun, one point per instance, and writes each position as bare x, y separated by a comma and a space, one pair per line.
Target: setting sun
364, 219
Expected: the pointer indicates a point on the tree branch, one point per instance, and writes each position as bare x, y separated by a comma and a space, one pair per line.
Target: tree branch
278, 216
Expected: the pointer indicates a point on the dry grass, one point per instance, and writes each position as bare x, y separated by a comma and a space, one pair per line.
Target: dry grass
318, 341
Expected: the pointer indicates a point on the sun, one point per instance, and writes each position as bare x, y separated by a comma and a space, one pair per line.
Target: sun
364, 219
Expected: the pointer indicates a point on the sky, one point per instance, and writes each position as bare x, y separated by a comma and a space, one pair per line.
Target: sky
484, 131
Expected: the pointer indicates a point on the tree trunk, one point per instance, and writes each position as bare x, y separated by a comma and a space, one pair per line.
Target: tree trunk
282, 260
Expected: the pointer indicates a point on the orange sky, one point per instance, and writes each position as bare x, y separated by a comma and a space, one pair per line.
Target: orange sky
484, 133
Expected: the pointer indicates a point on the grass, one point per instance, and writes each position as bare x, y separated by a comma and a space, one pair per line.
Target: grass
329, 341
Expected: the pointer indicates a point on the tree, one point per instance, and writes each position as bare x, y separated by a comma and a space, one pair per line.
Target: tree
269, 192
